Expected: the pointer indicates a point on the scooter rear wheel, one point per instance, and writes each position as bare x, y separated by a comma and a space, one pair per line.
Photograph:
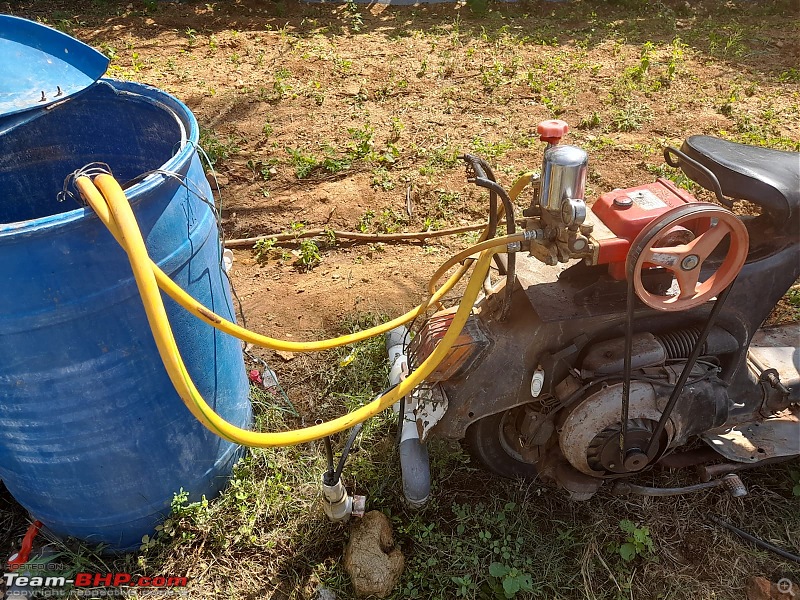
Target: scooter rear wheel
491, 442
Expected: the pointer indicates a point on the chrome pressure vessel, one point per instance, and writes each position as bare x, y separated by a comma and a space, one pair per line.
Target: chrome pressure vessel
563, 176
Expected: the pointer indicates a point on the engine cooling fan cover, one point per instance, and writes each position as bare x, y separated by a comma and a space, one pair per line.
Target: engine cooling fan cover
589, 435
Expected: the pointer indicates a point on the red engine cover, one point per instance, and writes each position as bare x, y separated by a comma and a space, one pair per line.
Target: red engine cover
624, 213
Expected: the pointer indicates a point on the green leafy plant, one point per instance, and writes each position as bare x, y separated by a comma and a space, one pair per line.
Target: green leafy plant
309, 256
266, 249
631, 117
354, 16
637, 543
487, 149
265, 169
590, 122
362, 142
512, 580
397, 128
675, 58
464, 585
795, 475
389, 221
191, 34
303, 163
216, 147
329, 236
365, 220
381, 179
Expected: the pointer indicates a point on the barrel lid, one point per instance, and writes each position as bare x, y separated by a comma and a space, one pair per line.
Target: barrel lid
40, 66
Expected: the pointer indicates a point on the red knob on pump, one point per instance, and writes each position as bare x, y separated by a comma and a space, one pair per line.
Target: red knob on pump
552, 130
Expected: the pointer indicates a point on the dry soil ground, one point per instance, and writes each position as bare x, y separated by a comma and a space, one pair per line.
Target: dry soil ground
351, 117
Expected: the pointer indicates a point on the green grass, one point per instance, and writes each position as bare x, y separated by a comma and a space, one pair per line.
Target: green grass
218, 148
479, 537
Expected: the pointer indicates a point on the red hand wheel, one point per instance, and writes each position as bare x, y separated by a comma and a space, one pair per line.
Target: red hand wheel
685, 261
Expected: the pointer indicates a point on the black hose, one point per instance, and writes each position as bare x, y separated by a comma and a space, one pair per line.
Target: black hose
490, 183
337, 474
511, 262
492, 227
400, 420
329, 480
757, 541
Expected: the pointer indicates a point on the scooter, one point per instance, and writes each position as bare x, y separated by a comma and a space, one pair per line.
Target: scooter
625, 331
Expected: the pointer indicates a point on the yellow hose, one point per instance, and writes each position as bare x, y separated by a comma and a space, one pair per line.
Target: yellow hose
516, 189
174, 291
464, 254
519, 185
195, 308
112, 207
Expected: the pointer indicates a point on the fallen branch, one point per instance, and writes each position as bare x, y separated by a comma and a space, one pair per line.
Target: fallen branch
354, 235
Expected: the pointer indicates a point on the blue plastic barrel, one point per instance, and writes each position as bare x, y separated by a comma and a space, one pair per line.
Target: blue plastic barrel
94, 441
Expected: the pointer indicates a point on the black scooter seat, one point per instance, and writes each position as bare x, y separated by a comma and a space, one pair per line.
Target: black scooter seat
767, 177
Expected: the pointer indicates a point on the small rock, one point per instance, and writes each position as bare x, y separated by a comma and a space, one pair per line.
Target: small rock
287, 356
324, 593
371, 560
759, 588
222, 180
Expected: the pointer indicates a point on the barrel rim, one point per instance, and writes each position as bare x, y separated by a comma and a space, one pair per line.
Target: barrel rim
179, 160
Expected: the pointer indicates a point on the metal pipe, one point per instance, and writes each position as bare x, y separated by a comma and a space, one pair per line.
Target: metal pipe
731, 482
414, 460
708, 472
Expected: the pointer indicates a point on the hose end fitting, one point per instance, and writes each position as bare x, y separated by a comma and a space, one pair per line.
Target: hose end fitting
533, 234
336, 502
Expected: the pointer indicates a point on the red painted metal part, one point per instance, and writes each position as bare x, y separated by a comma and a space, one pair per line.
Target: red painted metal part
21, 557
626, 212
